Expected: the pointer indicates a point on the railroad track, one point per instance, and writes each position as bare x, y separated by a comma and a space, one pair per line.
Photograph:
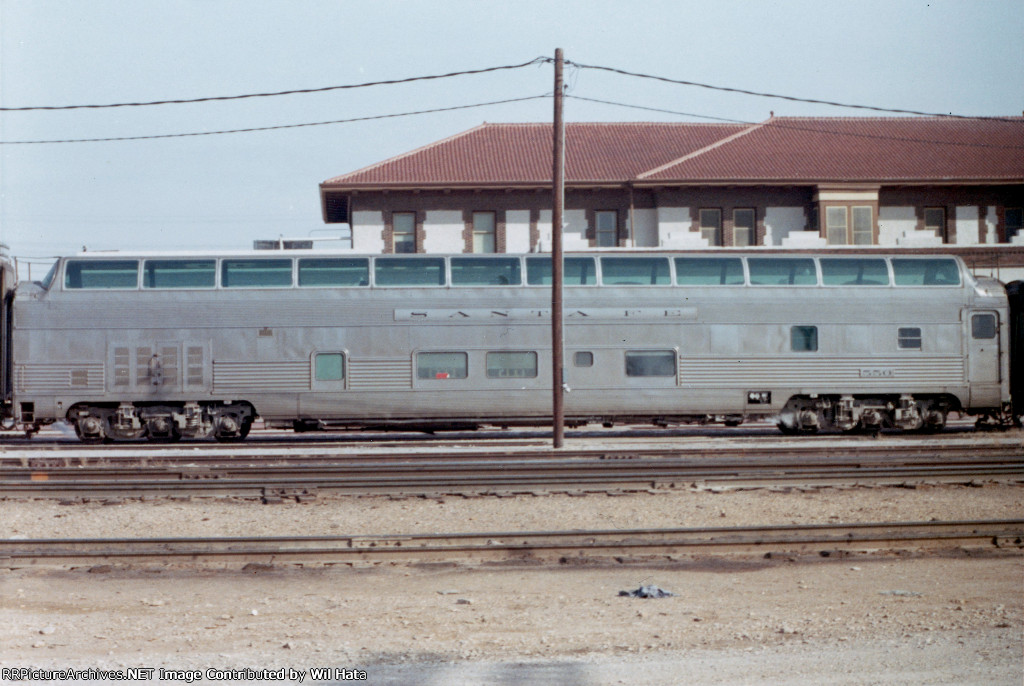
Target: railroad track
47, 454
303, 476
824, 540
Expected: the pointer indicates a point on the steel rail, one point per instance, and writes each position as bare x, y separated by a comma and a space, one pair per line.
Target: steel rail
261, 481
563, 546
41, 456
434, 474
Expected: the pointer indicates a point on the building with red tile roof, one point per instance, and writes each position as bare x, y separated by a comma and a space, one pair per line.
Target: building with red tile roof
946, 183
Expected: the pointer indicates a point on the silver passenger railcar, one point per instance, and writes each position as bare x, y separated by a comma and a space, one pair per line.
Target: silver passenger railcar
169, 345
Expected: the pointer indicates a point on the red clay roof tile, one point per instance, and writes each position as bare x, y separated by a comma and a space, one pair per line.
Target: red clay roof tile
781, 150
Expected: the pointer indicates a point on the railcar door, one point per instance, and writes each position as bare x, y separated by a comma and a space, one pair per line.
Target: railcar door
983, 357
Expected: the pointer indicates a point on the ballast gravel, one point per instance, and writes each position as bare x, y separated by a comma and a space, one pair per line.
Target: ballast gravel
957, 619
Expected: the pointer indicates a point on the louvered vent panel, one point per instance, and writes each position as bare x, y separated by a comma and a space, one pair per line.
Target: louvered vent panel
59, 377
808, 371
194, 370
169, 362
142, 356
380, 374
122, 366
260, 376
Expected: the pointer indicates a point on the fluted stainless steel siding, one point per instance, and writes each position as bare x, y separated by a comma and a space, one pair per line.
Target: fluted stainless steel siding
260, 376
375, 374
59, 377
791, 371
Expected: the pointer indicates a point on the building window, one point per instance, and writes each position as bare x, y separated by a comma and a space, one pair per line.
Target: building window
863, 226
711, 226
483, 232
743, 228
838, 229
607, 222
835, 225
1014, 222
935, 220
803, 339
404, 232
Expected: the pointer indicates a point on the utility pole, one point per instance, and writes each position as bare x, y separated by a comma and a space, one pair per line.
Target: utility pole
558, 190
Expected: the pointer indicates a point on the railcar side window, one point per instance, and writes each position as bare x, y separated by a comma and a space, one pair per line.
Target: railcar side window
330, 271
634, 271
926, 272
256, 273
329, 367
486, 271
179, 274
583, 359
983, 326
650, 363
520, 365
854, 272
709, 271
109, 274
782, 271
442, 365
803, 339
576, 271
403, 271
908, 338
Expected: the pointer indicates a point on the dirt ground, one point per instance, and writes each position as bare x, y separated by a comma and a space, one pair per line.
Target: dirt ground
884, 620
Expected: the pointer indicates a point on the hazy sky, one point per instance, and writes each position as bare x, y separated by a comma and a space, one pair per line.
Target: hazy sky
223, 191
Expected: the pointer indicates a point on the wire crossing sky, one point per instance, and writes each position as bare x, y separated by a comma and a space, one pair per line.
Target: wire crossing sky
311, 90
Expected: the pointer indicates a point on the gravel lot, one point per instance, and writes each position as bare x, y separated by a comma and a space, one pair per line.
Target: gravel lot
955, 619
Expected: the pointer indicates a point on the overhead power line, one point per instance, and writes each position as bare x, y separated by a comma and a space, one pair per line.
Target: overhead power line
538, 60
784, 97
789, 126
276, 128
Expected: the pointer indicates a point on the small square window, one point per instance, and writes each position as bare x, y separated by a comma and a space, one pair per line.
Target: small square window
804, 339
583, 359
983, 326
908, 338
330, 367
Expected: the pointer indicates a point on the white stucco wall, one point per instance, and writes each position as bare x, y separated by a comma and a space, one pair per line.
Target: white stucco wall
674, 229
967, 225
780, 221
442, 231
368, 232
574, 234
894, 223
517, 231
991, 225
645, 228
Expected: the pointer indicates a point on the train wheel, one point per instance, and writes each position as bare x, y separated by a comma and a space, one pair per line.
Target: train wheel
91, 430
226, 435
